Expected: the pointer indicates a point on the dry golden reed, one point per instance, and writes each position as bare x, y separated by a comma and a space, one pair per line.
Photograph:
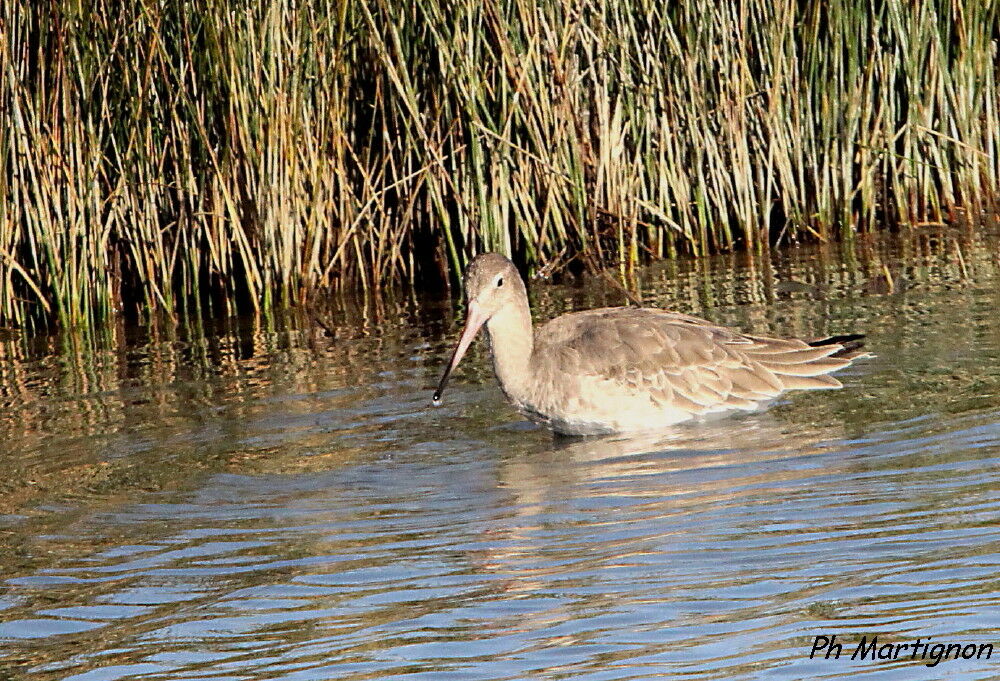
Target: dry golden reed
205, 156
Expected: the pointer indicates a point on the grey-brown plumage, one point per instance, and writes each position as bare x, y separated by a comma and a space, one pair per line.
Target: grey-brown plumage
631, 369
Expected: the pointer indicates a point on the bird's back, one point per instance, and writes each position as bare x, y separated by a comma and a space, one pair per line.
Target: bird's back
628, 369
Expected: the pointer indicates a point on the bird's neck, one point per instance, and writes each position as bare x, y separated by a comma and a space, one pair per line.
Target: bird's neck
511, 344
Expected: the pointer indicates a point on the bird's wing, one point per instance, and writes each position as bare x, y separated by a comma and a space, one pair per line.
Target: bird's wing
681, 361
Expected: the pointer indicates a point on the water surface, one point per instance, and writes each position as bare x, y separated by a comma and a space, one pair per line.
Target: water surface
262, 501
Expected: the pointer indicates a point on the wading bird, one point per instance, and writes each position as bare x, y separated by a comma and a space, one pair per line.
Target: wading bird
624, 369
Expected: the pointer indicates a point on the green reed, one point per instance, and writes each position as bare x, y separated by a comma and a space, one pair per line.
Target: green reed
212, 155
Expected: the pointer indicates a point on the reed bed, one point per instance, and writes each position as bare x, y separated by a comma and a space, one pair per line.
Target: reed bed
209, 156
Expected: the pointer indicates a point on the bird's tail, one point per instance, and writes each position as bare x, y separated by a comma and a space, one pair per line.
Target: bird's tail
852, 345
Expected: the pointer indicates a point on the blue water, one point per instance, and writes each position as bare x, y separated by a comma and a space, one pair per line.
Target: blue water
267, 503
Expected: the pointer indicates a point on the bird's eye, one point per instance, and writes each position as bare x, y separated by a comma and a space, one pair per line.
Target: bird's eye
499, 282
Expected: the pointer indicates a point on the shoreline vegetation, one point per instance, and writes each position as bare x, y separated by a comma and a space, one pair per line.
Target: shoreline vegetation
205, 158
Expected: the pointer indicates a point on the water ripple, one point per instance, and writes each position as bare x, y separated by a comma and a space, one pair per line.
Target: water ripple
307, 517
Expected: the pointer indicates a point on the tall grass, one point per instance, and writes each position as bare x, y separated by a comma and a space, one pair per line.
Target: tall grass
212, 154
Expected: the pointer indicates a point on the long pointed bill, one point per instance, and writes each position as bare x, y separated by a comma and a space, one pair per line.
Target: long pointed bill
474, 320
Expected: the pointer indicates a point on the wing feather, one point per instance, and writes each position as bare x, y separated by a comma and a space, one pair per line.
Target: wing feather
683, 362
